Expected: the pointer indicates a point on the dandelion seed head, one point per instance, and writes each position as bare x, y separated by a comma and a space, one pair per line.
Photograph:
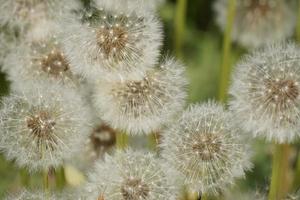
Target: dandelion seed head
42, 60
115, 37
259, 22
30, 195
265, 92
41, 129
205, 148
129, 175
142, 104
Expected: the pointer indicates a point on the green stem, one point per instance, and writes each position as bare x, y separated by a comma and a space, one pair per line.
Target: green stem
60, 178
24, 177
179, 26
225, 68
298, 24
122, 140
296, 182
46, 183
279, 180
153, 141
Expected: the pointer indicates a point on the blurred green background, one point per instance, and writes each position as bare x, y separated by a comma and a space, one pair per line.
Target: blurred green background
201, 52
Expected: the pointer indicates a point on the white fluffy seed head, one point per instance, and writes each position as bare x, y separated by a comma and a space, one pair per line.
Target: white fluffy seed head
129, 175
206, 149
32, 195
43, 127
258, 22
140, 105
113, 37
33, 18
40, 60
266, 93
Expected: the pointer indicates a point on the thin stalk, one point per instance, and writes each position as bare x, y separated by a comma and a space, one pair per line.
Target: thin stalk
60, 178
179, 25
153, 141
203, 197
225, 67
279, 180
24, 177
46, 184
298, 24
296, 182
122, 140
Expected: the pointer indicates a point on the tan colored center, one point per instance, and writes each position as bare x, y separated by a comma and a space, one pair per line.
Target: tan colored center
207, 146
134, 189
41, 127
103, 137
55, 63
282, 91
112, 40
258, 6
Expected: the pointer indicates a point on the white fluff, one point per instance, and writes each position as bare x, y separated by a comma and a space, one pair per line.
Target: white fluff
42, 127
259, 22
129, 175
113, 37
266, 94
142, 104
206, 149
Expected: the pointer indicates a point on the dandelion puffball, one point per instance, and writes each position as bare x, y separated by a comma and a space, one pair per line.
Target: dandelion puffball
31, 195
206, 148
129, 175
113, 36
265, 92
42, 127
39, 60
33, 18
142, 104
258, 22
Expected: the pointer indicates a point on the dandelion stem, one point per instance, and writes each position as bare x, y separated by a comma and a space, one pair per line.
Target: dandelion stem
122, 140
179, 26
60, 178
225, 67
24, 177
279, 180
298, 24
153, 140
297, 173
46, 183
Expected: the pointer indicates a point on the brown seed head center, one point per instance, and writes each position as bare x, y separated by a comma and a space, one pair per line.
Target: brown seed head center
55, 63
103, 137
41, 127
281, 92
257, 6
112, 40
207, 146
134, 189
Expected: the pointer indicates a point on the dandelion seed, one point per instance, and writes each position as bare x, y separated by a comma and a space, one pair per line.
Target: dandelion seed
129, 176
259, 22
142, 104
115, 37
206, 149
265, 92
41, 129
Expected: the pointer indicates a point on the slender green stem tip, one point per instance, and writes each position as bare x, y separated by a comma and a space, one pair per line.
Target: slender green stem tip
225, 68
46, 184
122, 140
279, 180
298, 24
180, 26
